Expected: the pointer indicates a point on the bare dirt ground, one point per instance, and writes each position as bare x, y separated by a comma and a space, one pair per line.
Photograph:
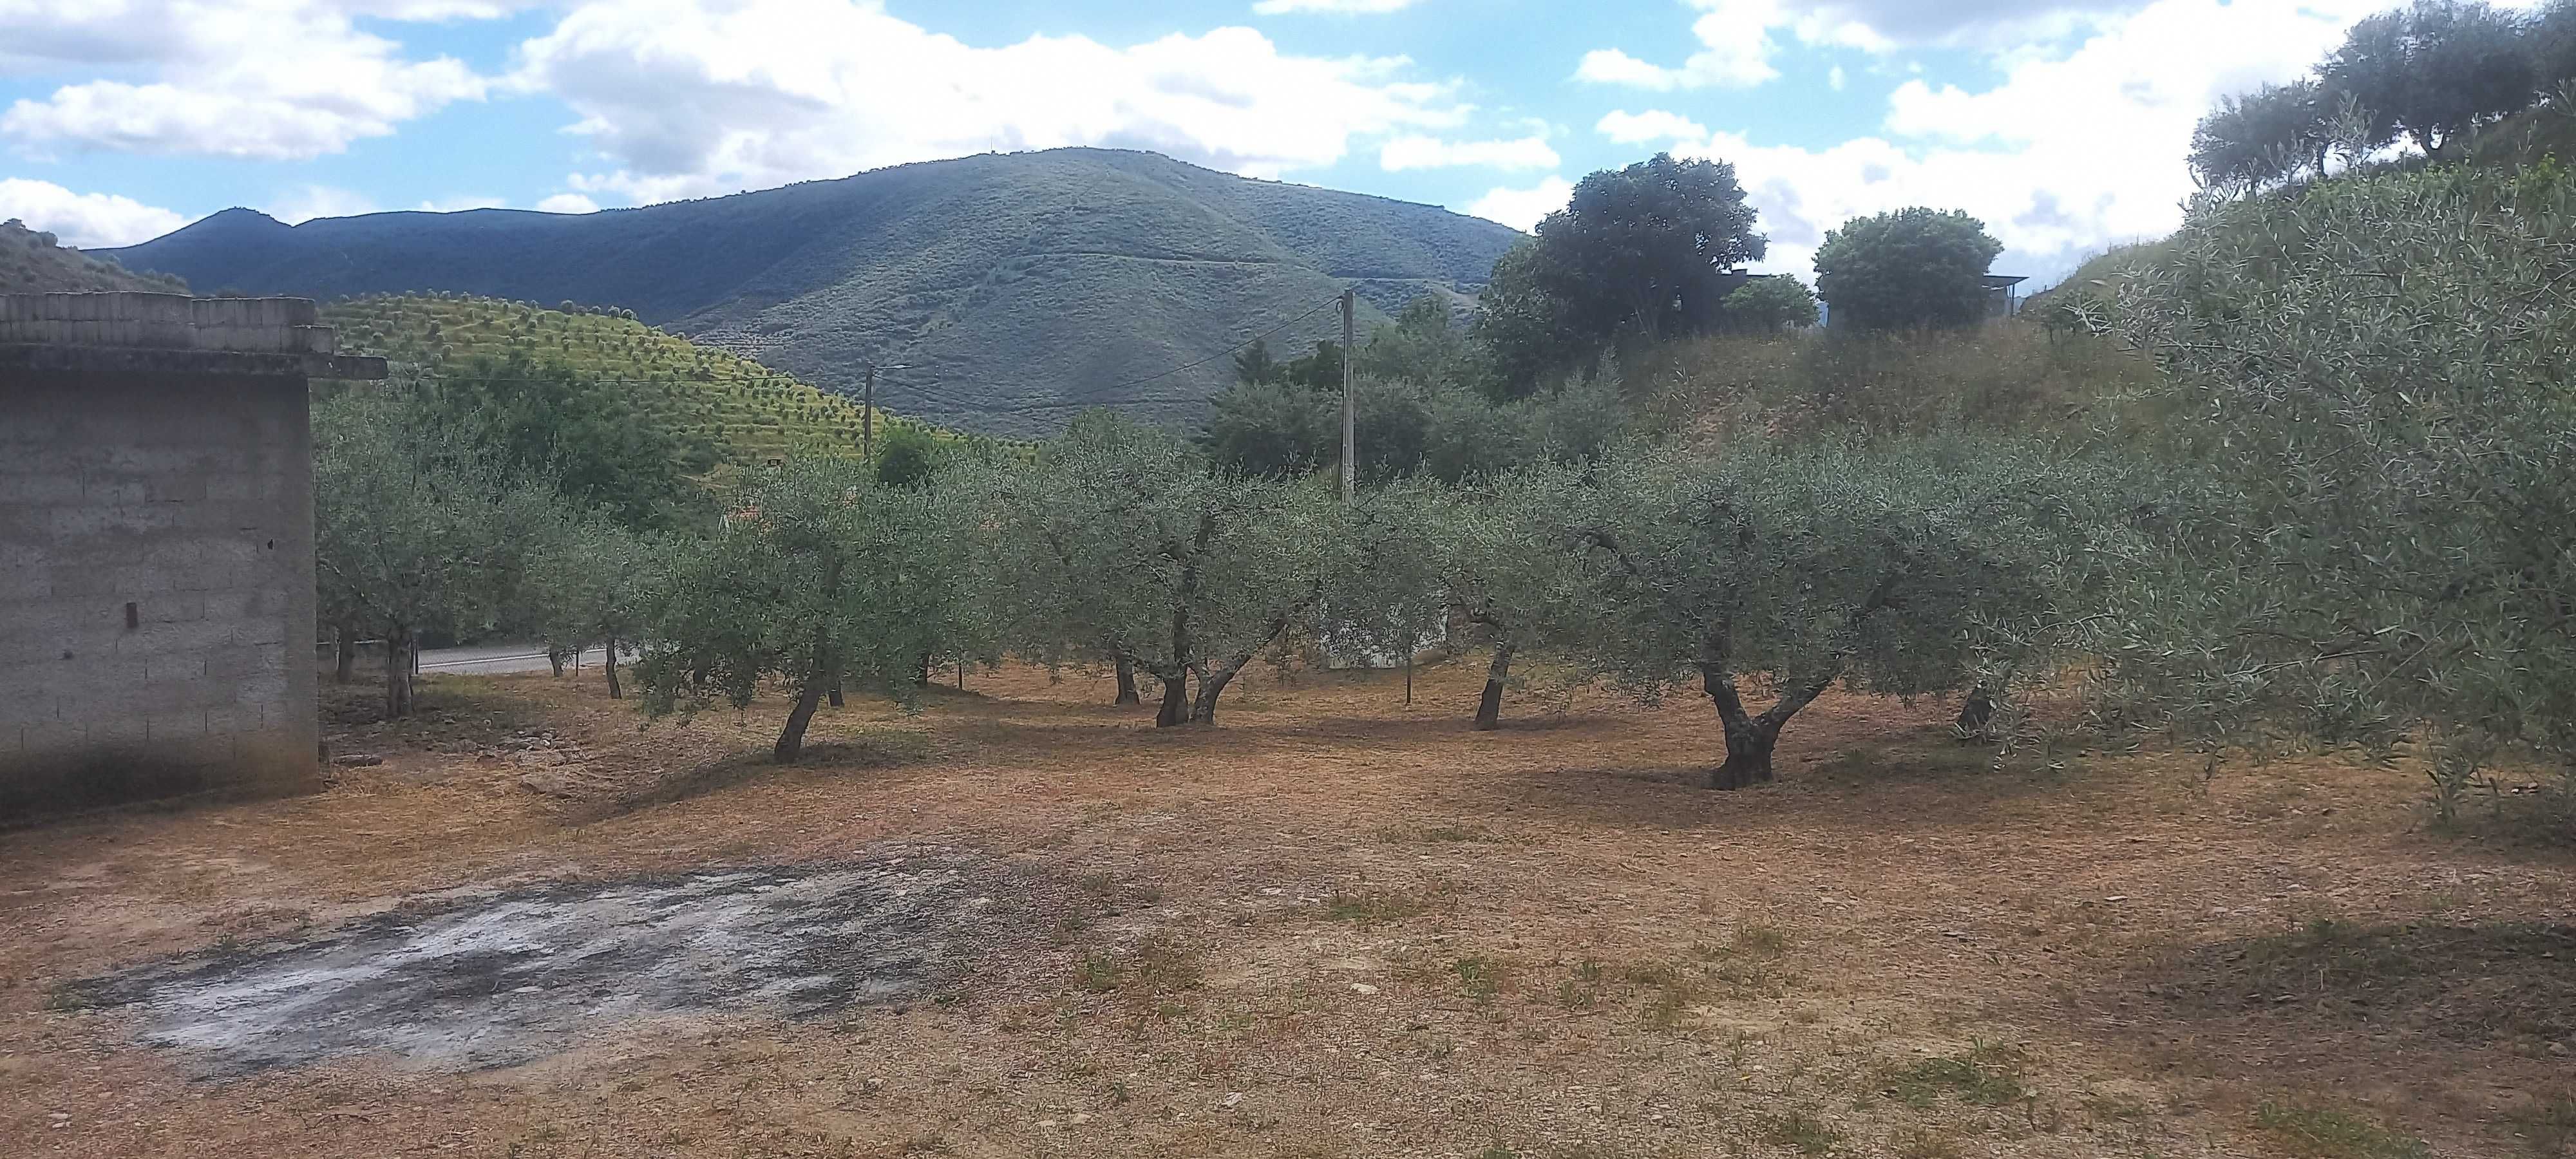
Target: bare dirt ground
1023, 922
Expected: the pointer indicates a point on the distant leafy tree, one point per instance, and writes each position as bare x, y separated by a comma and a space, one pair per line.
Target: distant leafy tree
2434, 71
1906, 269
1638, 250
1125, 543
1273, 427
592, 582
824, 577
1771, 305
2274, 135
417, 527
907, 456
2553, 45
1901, 568
1253, 364
1320, 369
601, 448
1420, 345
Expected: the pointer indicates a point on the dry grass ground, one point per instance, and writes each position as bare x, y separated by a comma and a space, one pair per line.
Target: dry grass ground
1337, 926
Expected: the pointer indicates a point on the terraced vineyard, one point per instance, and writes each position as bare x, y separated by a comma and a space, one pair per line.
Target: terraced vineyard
752, 412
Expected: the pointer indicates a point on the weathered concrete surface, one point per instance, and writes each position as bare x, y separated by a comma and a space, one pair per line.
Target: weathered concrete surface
509, 978
156, 547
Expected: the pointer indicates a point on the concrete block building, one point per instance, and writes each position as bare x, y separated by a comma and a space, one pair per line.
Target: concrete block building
156, 546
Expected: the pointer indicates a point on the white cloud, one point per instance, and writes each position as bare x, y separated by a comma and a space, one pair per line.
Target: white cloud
461, 202
694, 97
1521, 208
1432, 153
306, 202
1736, 46
263, 79
567, 203
1735, 52
2070, 152
84, 220
1629, 128
1333, 7
1836, 79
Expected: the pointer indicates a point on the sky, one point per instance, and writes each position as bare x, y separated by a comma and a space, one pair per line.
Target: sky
2061, 124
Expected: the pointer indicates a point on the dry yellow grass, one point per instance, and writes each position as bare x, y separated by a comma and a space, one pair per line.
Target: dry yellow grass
1387, 934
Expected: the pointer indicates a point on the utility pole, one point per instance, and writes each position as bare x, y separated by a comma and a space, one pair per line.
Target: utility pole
1350, 407
868, 416
868, 412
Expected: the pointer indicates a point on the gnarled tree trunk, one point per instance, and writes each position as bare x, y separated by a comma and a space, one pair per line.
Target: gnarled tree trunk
1749, 738
1127, 683
554, 660
1211, 686
614, 692
1976, 712
344, 638
791, 739
401, 652
1175, 709
1489, 708
836, 694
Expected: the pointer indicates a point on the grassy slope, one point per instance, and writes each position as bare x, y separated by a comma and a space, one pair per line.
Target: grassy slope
1019, 287
32, 262
753, 412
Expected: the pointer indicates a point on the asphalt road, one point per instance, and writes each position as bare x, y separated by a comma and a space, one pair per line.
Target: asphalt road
497, 659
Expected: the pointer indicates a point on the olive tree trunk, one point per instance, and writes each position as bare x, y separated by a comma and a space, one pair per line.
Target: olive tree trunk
1749, 738
614, 692
1489, 708
1127, 683
1976, 712
1175, 709
401, 652
344, 638
791, 739
554, 659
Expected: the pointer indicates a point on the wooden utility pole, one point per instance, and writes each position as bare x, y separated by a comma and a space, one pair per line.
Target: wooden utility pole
868, 416
868, 410
1350, 407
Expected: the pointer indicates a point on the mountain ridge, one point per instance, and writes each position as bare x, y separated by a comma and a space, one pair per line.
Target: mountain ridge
1016, 288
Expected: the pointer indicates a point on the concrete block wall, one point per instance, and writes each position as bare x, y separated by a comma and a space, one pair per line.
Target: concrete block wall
156, 587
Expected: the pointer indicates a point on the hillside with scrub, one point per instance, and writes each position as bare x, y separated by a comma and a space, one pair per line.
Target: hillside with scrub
1020, 288
34, 262
753, 413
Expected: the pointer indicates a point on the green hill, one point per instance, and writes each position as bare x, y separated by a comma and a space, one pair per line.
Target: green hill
34, 263
751, 411
1017, 288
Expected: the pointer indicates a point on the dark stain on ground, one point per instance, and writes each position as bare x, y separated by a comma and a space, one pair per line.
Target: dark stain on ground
2509, 982
504, 978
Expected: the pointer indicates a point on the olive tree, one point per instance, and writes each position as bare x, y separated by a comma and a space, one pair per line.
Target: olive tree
822, 576
2377, 374
1506, 556
1906, 568
1124, 543
417, 527
593, 582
